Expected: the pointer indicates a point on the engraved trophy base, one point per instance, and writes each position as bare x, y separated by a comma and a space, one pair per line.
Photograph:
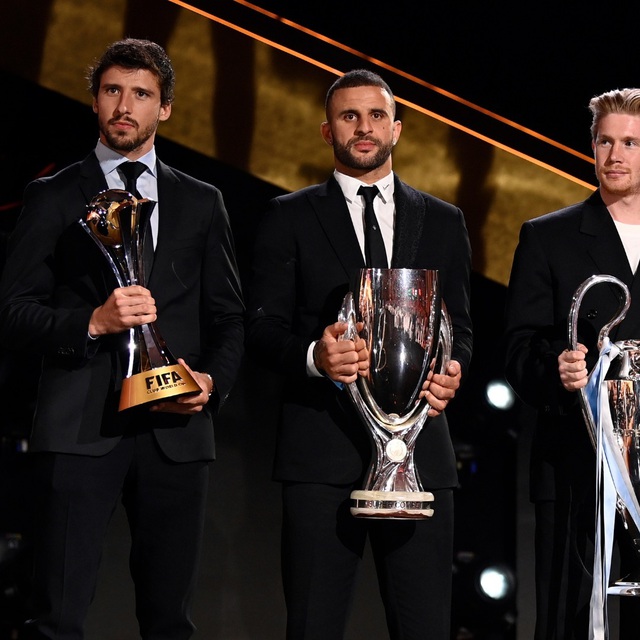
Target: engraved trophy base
394, 505
629, 585
161, 383
624, 587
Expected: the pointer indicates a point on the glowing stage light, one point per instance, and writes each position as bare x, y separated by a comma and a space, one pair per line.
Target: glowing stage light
496, 583
500, 395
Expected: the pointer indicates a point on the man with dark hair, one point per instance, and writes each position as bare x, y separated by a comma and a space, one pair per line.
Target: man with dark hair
309, 247
59, 299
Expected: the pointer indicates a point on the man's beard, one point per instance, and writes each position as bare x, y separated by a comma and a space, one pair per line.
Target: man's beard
369, 162
121, 141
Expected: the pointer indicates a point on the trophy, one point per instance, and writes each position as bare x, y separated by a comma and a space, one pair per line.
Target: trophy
117, 221
402, 318
611, 409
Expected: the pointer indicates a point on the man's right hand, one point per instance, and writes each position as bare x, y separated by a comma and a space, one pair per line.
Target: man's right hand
340, 360
126, 307
572, 366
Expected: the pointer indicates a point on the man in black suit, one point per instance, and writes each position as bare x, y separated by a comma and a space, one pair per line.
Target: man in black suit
60, 299
556, 253
309, 247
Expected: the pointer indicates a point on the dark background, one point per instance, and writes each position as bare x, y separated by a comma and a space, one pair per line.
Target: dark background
536, 63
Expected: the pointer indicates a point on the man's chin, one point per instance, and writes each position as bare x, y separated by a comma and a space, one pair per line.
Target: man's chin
123, 143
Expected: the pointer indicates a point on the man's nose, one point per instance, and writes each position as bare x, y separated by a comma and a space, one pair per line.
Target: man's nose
364, 126
615, 154
124, 104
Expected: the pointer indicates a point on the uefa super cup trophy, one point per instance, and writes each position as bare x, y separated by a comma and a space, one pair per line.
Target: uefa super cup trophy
401, 316
117, 221
611, 409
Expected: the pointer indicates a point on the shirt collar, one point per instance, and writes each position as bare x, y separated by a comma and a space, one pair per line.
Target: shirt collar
351, 185
109, 159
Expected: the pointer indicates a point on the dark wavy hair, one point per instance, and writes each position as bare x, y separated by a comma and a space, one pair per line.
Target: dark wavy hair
132, 53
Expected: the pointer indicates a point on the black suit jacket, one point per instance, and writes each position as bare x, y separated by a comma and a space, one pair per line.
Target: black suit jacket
55, 276
556, 253
306, 258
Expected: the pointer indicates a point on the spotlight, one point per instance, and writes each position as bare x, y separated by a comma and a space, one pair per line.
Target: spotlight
499, 395
496, 583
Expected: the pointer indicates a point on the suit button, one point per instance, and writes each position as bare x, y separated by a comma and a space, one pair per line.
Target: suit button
592, 314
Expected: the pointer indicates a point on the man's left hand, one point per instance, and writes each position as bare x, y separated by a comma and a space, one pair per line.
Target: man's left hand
440, 388
190, 404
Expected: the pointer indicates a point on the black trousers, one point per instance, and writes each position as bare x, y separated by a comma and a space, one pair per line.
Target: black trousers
323, 544
165, 506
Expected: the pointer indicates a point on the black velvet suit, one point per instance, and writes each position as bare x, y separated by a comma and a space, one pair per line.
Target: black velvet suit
306, 257
54, 278
555, 255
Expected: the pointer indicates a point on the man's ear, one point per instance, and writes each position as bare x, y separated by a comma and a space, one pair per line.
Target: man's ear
165, 112
325, 132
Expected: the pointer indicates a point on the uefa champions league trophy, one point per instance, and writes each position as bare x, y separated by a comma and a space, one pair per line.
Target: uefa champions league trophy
117, 221
401, 316
611, 408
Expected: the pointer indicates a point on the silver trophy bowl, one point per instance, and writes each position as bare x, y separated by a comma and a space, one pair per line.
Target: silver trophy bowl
402, 318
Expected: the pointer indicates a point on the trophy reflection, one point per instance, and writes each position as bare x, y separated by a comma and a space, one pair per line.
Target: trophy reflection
401, 316
117, 222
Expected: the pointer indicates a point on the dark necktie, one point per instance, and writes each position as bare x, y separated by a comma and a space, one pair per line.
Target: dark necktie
131, 172
375, 254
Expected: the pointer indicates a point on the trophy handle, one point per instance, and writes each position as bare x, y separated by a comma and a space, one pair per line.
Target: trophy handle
623, 307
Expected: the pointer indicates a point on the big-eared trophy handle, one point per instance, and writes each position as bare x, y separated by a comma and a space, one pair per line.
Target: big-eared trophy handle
623, 307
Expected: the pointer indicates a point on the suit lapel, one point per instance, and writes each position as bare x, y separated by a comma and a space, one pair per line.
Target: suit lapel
92, 180
603, 242
606, 250
169, 209
409, 222
333, 215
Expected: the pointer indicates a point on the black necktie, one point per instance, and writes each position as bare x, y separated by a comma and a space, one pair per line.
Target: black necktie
375, 254
131, 172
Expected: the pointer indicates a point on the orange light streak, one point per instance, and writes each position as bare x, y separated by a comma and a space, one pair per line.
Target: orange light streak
403, 74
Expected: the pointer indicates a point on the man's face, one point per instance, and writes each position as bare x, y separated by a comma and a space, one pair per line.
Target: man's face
362, 131
129, 110
617, 155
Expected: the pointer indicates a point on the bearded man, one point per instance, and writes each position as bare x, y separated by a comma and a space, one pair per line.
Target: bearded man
310, 245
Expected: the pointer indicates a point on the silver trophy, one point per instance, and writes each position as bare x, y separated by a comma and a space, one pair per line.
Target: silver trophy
116, 221
622, 381
402, 318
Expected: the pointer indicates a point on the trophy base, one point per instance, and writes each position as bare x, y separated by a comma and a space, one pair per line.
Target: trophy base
154, 385
627, 586
392, 505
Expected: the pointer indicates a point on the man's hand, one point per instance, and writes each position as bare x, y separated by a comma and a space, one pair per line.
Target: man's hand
191, 404
439, 388
340, 360
126, 307
572, 366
